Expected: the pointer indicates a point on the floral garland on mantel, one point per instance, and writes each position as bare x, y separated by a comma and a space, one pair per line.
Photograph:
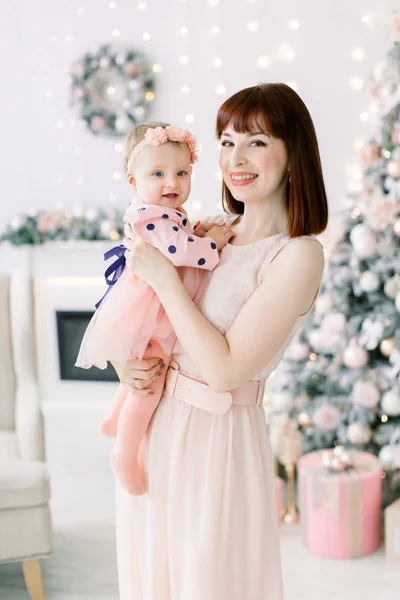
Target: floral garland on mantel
36, 228
112, 89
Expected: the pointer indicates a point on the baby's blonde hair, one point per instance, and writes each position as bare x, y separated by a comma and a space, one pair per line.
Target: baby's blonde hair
137, 135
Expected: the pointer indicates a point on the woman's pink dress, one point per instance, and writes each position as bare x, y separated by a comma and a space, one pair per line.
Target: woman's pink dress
131, 314
208, 527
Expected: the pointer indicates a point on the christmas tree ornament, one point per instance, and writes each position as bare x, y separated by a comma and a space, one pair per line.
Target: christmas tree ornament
391, 403
355, 357
387, 346
359, 434
369, 282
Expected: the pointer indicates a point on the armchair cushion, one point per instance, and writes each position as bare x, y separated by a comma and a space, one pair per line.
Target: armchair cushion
23, 483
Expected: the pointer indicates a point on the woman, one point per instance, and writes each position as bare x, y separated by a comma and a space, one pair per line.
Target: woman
207, 529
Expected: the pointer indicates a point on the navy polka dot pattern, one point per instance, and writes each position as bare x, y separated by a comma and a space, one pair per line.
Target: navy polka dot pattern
150, 226
179, 214
213, 245
165, 216
175, 228
190, 239
184, 222
201, 261
172, 249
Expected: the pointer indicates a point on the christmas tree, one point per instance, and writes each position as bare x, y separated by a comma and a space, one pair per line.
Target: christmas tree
340, 380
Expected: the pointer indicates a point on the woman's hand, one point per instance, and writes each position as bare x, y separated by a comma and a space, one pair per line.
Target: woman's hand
145, 261
144, 371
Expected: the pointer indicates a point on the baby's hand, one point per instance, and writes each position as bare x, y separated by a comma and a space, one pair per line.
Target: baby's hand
221, 234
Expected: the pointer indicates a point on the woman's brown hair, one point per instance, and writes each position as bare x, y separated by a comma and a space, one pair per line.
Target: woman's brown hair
278, 110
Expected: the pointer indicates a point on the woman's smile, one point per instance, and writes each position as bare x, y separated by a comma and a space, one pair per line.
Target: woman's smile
243, 178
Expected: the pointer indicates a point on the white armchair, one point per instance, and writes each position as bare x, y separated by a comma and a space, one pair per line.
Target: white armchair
25, 522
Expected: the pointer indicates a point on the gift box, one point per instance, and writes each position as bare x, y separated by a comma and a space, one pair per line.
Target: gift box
279, 495
392, 532
340, 510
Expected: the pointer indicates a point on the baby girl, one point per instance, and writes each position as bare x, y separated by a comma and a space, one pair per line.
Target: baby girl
130, 321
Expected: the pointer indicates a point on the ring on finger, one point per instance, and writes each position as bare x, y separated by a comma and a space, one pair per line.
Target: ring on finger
134, 381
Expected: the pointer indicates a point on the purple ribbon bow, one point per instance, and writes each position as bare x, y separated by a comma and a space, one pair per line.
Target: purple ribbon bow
114, 271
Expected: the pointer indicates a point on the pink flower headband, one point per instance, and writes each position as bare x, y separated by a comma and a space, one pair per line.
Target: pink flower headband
155, 136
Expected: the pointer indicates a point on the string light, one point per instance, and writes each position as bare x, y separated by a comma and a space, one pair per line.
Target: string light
213, 2
220, 89
189, 118
197, 205
364, 116
368, 19
80, 11
264, 61
286, 52
157, 68
185, 89
80, 180
141, 6
183, 30
357, 53
183, 59
118, 147
146, 37
356, 83
70, 37
386, 153
294, 25
384, 418
149, 96
112, 5
111, 90
252, 26
117, 175
116, 32
217, 62
49, 94
215, 29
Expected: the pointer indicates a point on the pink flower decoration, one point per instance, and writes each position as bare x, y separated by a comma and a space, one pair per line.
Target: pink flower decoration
49, 221
131, 68
382, 212
156, 136
327, 417
176, 133
369, 154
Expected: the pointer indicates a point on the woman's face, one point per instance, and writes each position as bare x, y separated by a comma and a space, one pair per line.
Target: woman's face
254, 165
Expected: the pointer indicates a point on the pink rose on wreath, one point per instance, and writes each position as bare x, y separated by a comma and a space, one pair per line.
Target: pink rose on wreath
396, 26
78, 69
382, 212
97, 123
326, 417
49, 221
369, 154
131, 68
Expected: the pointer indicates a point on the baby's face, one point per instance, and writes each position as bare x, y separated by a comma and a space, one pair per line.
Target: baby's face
162, 174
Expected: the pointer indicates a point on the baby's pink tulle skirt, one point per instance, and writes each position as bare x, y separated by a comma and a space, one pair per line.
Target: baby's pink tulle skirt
129, 317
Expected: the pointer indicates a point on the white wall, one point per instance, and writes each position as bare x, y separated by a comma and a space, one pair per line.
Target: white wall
40, 164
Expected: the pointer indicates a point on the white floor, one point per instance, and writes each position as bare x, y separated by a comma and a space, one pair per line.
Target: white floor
83, 564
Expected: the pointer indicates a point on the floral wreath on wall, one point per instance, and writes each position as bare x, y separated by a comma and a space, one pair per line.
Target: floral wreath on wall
112, 89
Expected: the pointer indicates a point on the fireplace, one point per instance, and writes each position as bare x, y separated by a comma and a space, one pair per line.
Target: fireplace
71, 326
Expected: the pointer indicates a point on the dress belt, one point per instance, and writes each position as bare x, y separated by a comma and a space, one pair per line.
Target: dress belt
197, 393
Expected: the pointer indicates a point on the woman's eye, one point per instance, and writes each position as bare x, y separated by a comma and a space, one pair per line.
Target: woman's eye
258, 143
182, 173
226, 144
158, 173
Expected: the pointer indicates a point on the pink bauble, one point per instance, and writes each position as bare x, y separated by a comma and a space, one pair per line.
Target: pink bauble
323, 304
365, 247
299, 351
359, 434
369, 154
355, 357
326, 417
366, 393
393, 168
